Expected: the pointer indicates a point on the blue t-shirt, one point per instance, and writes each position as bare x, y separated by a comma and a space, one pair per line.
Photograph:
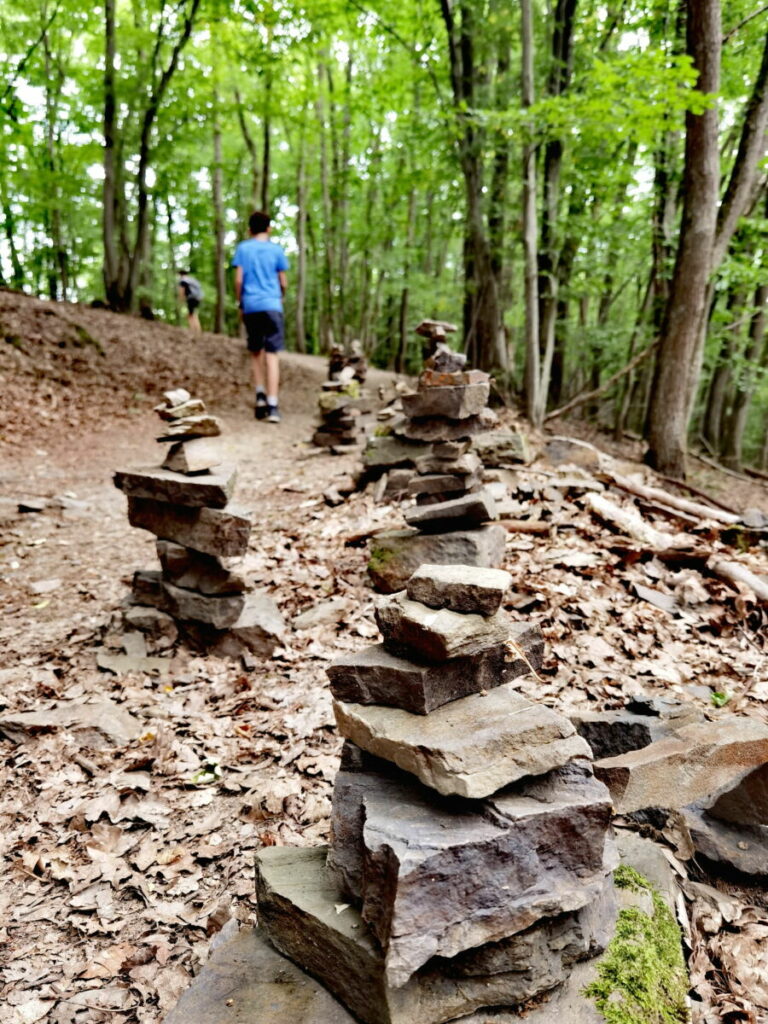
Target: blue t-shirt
261, 262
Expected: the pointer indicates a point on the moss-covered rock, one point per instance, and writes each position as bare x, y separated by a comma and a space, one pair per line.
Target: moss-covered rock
642, 977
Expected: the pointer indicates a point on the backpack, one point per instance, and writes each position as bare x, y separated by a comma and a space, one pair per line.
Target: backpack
193, 288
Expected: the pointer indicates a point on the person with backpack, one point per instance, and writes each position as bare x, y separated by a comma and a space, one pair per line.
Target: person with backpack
191, 292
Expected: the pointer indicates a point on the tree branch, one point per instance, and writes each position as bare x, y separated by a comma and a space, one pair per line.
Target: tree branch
587, 396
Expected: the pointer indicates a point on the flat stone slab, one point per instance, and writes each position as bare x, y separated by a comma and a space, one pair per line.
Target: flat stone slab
433, 428
192, 570
472, 747
298, 908
220, 611
220, 532
246, 981
461, 464
438, 379
440, 483
375, 676
465, 512
502, 447
611, 733
258, 631
746, 802
391, 451
698, 761
456, 402
191, 426
198, 455
212, 489
93, 724
396, 554
437, 634
743, 848
460, 588
192, 407
436, 876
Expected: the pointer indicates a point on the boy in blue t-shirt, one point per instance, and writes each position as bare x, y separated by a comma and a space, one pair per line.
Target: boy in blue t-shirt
260, 284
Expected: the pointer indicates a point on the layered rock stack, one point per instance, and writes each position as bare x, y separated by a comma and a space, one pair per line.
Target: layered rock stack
428, 457
471, 859
343, 403
201, 537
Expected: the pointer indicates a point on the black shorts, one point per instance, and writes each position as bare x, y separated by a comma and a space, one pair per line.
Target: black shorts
192, 304
265, 331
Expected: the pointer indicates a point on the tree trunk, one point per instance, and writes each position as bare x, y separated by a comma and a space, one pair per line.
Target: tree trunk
402, 348
266, 136
682, 327
218, 223
535, 402
109, 193
736, 421
301, 241
250, 145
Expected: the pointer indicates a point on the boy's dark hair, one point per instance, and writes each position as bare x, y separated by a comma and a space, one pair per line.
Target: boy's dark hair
258, 222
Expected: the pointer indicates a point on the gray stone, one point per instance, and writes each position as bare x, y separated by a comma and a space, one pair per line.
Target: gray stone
435, 429
396, 554
699, 760
192, 570
472, 747
198, 455
450, 449
443, 359
610, 733
436, 876
467, 464
147, 589
220, 532
374, 676
177, 396
454, 403
460, 588
259, 629
122, 664
220, 611
502, 447
211, 489
440, 483
746, 802
323, 614
192, 407
437, 634
391, 451
247, 982
158, 625
444, 379
94, 724
462, 513
743, 848
191, 426
298, 907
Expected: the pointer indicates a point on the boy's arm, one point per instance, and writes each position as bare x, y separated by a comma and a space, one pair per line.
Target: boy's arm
238, 283
283, 281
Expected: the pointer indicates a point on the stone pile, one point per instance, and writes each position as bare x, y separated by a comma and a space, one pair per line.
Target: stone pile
343, 403
471, 860
429, 458
201, 539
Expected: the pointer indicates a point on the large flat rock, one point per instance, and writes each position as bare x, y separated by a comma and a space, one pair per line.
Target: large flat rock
396, 554
730, 847
436, 429
698, 761
94, 724
375, 676
220, 532
211, 489
195, 571
437, 634
437, 876
299, 911
472, 747
391, 451
461, 513
460, 588
220, 611
454, 402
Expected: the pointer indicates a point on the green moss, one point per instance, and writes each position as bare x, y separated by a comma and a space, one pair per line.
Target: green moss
382, 431
642, 977
380, 558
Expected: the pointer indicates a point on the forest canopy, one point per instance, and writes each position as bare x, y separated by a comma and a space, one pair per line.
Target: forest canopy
580, 184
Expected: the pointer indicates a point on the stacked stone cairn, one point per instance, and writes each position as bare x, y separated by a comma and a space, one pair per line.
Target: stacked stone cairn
343, 403
471, 856
428, 456
201, 539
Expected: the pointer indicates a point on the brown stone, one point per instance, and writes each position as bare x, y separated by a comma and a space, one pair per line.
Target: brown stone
439, 483
460, 588
436, 379
700, 760
220, 532
454, 403
435, 429
198, 455
192, 570
192, 407
746, 802
396, 554
462, 513
211, 489
374, 676
437, 876
391, 451
461, 464
298, 908
502, 447
472, 747
191, 426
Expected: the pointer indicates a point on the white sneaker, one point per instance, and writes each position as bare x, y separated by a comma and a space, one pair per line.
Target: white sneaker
274, 414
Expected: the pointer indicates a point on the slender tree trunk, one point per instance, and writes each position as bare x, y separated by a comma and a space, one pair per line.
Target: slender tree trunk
109, 195
329, 269
535, 403
253, 156
59, 263
301, 240
733, 434
402, 348
681, 331
266, 144
218, 223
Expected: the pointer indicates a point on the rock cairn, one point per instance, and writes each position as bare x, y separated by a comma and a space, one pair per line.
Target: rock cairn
343, 403
471, 859
428, 456
201, 538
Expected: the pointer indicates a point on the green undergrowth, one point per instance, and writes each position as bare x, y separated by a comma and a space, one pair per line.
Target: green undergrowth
642, 977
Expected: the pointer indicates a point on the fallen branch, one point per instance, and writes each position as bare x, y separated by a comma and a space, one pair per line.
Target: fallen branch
654, 494
700, 494
587, 396
735, 572
525, 526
